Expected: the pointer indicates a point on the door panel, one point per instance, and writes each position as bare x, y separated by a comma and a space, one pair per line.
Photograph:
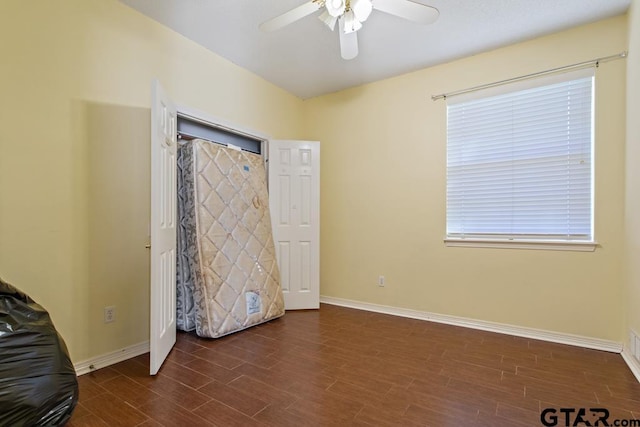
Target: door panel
294, 194
163, 228
284, 258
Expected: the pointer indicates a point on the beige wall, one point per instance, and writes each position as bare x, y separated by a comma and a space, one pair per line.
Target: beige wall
383, 197
75, 84
632, 222
75, 81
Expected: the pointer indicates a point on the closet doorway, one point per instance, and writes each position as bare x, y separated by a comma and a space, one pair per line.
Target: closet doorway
294, 202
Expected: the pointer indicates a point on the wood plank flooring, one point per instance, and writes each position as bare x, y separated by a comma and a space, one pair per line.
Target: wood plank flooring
339, 366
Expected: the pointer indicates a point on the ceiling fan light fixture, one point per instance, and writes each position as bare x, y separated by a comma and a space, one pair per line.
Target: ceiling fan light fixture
350, 23
335, 7
361, 9
349, 15
328, 20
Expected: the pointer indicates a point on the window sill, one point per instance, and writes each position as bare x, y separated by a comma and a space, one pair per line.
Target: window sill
549, 245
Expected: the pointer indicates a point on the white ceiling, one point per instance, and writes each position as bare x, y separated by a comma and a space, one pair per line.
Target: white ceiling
304, 57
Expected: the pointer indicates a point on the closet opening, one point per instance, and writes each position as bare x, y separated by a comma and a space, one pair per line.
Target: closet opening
222, 173
190, 127
227, 275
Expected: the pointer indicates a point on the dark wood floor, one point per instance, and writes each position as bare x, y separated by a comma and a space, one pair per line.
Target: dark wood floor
339, 366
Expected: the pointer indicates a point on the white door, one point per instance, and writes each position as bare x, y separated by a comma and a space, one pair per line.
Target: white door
163, 227
294, 202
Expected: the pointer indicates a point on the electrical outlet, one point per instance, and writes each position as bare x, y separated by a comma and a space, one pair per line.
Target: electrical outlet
380, 280
110, 314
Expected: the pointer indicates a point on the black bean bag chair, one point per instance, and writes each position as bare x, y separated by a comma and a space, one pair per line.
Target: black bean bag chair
38, 384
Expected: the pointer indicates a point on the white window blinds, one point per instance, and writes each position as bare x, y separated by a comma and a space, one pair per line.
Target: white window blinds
519, 162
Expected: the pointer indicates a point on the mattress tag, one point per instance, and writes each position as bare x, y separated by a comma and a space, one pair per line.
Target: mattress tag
234, 147
254, 302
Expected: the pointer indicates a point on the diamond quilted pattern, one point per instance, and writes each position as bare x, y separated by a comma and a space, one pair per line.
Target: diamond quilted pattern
225, 190
253, 248
211, 174
266, 258
234, 259
228, 220
237, 279
245, 262
238, 206
220, 264
259, 275
241, 235
221, 158
262, 233
208, 249
251, 219
216, 234
246, 193
231, 249
235, 176
213, 204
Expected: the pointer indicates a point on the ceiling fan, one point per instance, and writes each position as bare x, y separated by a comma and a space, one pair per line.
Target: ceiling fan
350, 14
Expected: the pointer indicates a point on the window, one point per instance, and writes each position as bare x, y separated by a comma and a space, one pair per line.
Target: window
520, 162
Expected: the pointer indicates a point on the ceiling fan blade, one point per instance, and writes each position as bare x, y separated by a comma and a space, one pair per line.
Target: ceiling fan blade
348, 44
416, 12
290, 17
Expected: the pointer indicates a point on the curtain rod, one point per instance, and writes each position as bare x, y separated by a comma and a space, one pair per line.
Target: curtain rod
593, 62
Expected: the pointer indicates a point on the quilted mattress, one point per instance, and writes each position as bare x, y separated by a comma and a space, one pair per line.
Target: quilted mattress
227, 275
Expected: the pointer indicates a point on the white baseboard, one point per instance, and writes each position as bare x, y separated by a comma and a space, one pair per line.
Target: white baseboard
632, 362
86, 366
117, 356
538, 334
